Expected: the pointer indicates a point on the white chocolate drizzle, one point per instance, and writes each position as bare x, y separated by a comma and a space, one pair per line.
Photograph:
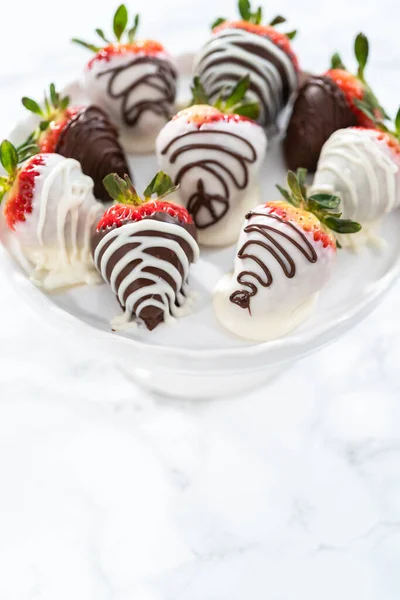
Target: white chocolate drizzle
174, 302
233, 53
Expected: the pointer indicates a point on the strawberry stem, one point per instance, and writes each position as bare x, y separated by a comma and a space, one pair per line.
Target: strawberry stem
255, 17
232, 102
53, 108
120, 29
122, 191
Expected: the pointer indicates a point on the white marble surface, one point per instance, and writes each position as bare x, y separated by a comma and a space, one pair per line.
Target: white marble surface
292, 493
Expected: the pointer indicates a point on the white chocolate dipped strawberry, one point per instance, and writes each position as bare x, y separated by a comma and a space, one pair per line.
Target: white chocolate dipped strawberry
48, 215
214, 154
286, 253
143, 248
362, 167
246, 47
133, 81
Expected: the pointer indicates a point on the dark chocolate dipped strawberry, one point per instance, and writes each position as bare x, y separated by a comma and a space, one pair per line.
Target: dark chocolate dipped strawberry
143, 248
326, 103
247, 47
84, 133
134, 81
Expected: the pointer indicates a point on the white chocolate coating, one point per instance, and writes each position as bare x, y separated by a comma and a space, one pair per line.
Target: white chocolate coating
173, 303
137, 91
233, 53
275, 280
53, 243
360, 168
216, 166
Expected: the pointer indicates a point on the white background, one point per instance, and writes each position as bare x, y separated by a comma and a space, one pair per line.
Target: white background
106, 493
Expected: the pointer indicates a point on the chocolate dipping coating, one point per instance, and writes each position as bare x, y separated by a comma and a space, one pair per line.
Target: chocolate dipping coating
320, 109
90, 138
151, 315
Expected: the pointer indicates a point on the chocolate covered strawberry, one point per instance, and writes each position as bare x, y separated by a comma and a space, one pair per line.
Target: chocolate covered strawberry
214, 154
143, 248
247, 47
48, 215
133, 81
84, 133
362, 167
326, 103
286, 252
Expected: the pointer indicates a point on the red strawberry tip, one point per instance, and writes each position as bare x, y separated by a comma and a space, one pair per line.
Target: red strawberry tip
120, 214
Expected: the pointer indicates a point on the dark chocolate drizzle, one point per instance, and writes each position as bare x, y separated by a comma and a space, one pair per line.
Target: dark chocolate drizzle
320, 109
252, 45
242, 297
215, 206
90, 138
163, 79
151, 315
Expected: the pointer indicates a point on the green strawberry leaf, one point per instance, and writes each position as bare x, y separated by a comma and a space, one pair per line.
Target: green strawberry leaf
32, 106
361, 50
257, 16
291, 34
91, 47
116, 187
64, 102
101, 35
251, 110
199, 95
132, 31
325, 201
285, 194
365, 108
54, 96
245, 9
301, 175
336, 62
161, 185
238, 92
277, 20
8, 157
217, 22
294, 186
320, 205
120, 21
397, 122
219, 101
341, 225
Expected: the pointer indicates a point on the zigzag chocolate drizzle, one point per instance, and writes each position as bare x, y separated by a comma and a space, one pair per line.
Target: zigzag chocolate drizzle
203, 202
162, 78
242, 297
